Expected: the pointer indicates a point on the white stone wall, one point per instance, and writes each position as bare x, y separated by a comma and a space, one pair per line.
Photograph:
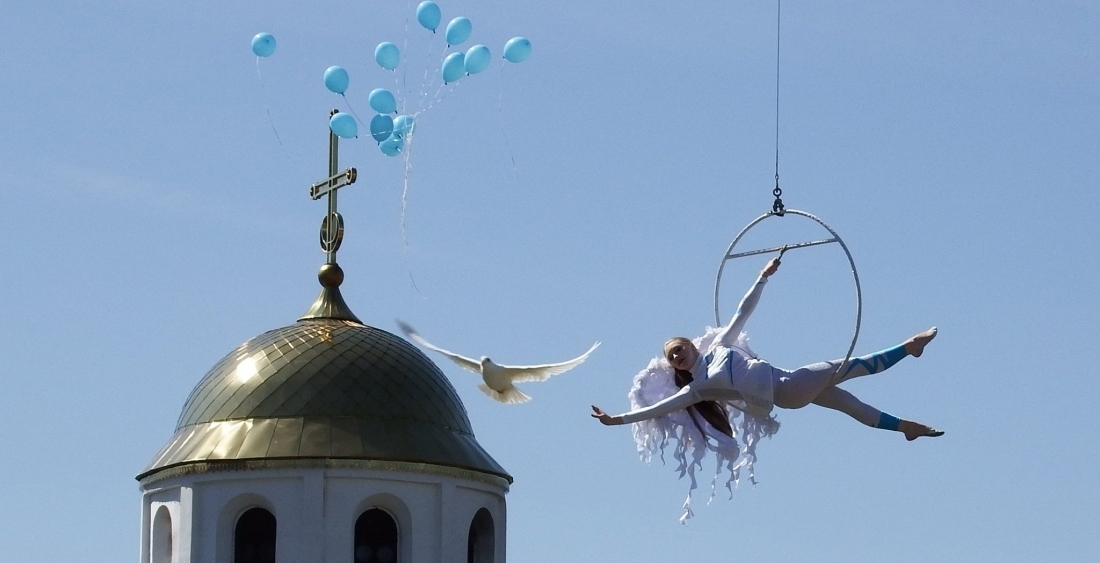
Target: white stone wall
316, 509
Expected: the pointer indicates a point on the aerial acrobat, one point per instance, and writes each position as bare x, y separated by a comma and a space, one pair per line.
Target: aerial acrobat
683, 396
727, 372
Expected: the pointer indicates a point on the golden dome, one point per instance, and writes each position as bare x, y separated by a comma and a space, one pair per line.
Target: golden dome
325, 388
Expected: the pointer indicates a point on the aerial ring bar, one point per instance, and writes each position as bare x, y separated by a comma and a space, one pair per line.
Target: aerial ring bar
730, 255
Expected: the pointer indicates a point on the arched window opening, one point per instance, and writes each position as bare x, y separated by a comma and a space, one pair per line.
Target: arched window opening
481, 543
161, 549
254, 537
375, 537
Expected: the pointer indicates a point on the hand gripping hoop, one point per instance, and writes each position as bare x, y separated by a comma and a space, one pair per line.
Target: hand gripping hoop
729, 255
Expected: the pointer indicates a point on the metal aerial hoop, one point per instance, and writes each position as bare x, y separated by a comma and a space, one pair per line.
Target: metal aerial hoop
730, 255
778, 210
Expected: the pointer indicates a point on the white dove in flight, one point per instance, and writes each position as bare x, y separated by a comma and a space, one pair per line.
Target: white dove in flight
498, 379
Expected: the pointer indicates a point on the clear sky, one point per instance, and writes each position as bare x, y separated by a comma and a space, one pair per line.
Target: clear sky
151, 221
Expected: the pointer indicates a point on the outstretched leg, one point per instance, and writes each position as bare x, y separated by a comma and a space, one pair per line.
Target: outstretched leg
796, 389
881, 361
838, 399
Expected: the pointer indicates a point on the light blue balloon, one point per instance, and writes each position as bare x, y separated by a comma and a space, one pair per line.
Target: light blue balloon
382, 101
387, 55
459, 30
517, 49
454, 67
428, 14
477, 59
263, 44
403, 126
336, 80
392, 146
381, 127
343, 125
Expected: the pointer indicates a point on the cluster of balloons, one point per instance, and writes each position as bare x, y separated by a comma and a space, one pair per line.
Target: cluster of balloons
390, 131
476, 58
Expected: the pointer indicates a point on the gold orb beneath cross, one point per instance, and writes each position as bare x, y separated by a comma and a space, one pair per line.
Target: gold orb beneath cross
330, 275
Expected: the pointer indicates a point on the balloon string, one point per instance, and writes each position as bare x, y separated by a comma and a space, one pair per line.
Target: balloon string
404, 57
429, 84
436, 95
440, 98
503, 132
404, 204
267, 109
352, 110
425, 86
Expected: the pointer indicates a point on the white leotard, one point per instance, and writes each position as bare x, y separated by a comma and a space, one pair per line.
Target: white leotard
732, 375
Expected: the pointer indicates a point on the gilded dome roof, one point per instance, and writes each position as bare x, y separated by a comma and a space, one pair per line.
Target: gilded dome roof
325, 388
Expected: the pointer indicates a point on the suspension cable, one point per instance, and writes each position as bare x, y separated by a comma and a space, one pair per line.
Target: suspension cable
777, 205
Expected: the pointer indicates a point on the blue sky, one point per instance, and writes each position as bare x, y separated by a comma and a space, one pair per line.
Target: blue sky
151, 221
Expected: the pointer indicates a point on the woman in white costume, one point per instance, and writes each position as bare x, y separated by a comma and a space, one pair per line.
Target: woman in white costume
729, 373
682, 398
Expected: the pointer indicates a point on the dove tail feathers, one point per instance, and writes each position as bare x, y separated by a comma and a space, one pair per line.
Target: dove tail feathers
510, 396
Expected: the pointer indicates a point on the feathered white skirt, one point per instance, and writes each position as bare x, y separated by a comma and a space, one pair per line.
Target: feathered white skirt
690, 447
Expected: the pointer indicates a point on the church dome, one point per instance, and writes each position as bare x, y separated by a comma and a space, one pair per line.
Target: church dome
325, 388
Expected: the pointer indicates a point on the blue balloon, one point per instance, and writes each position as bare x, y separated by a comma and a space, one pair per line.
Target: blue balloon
428, 14
263, 44
387, 55
458, 30
477, 59
392, 146
381, 127
403, 126
382, 101
454, 67
517, 49
343, 125
336, 80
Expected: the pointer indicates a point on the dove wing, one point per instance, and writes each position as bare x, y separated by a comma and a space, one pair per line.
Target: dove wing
462, 361
521, 374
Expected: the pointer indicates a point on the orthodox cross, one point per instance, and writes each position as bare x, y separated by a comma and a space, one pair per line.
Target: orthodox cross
332, 227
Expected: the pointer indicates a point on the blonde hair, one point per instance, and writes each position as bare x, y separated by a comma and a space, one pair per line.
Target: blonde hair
676, 341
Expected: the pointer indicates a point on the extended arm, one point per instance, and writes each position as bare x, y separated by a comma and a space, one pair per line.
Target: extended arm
681, 400
730, 332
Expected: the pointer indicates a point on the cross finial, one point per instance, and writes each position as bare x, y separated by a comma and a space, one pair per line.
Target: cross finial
330, 304
332, 227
